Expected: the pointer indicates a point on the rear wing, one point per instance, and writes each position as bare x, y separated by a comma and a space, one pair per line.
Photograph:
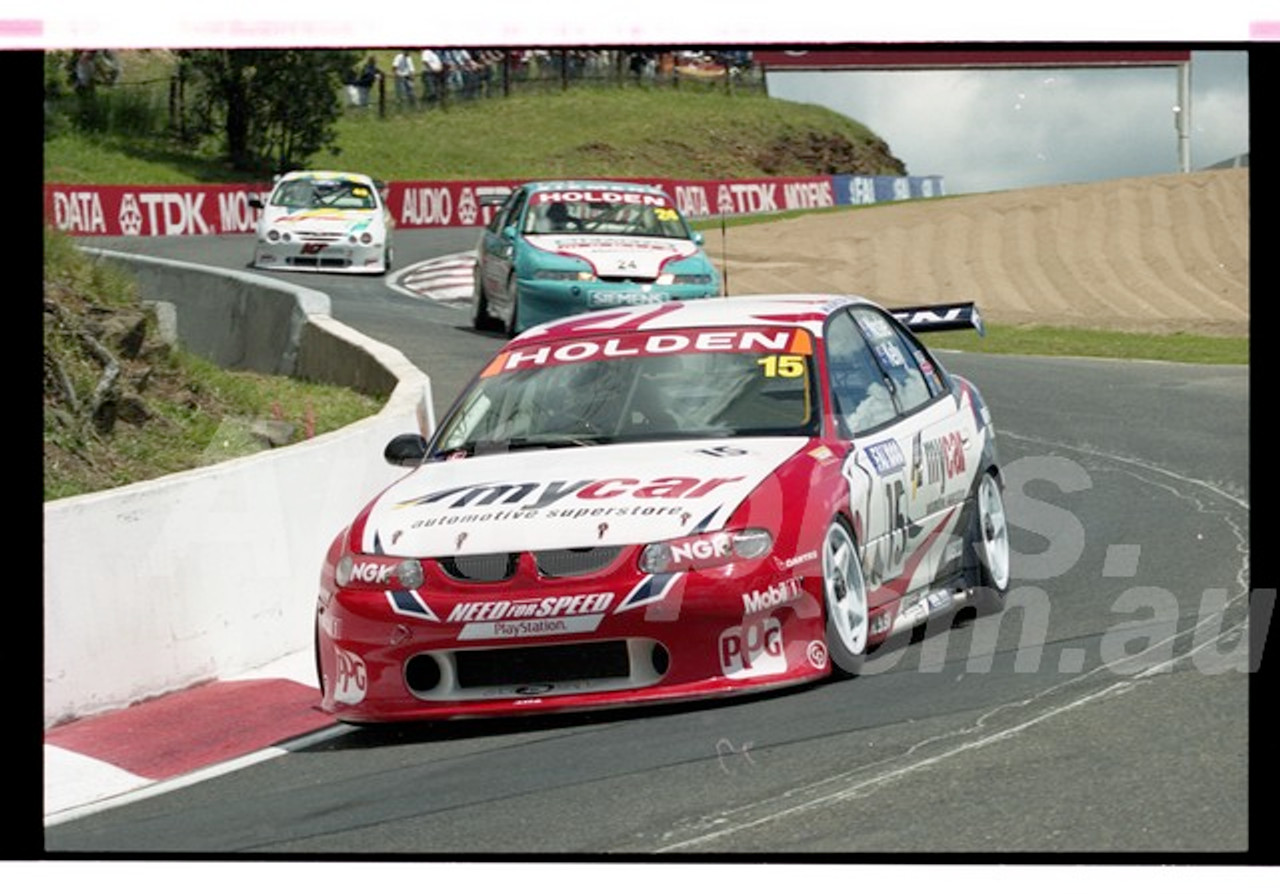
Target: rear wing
939, 317
492, 196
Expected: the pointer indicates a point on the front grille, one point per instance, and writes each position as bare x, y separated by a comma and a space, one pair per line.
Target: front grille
575, 562
529, 665
480, 569
312, 236
318, 262
627, 279
494, 567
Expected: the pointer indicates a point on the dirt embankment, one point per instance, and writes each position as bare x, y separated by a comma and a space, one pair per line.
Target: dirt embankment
1153, 254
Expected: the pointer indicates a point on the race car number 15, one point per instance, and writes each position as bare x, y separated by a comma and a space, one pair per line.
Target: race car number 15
785, 366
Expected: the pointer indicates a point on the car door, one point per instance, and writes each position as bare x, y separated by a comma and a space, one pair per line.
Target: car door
878, 465
939, 443
497, 251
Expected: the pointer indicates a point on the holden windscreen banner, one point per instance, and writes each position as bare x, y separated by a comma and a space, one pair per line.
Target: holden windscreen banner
226, 209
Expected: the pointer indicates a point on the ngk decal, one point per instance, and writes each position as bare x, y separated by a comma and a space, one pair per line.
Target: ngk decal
352, 679
371, 572
753, 649
424, 206
79, 212
713, 546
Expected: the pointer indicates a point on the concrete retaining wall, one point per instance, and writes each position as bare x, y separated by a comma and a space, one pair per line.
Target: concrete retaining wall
160, 585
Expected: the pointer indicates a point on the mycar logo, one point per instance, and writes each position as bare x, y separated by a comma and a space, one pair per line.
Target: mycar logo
532, 495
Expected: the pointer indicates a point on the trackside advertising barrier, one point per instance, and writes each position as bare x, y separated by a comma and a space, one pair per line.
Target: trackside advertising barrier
224, 209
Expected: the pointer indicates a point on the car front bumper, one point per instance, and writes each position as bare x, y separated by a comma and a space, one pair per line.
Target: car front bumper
335, 257
703, 635
544, 300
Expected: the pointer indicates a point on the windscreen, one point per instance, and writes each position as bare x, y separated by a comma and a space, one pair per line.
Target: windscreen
671, 385
316, 193
604, 212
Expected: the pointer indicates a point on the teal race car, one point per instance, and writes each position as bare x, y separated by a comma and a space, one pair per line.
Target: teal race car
560, 248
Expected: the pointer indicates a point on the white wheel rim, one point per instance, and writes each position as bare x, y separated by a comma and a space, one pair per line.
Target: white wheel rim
994, 531
844, 589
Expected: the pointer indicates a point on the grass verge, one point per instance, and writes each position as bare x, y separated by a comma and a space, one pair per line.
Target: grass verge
121, 405
1050, 341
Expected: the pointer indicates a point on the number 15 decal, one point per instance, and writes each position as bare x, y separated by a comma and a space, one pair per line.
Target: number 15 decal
784, 366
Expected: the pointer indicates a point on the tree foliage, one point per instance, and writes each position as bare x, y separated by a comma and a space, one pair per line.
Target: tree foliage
274, 108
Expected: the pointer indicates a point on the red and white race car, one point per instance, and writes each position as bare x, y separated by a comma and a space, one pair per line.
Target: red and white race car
668, 502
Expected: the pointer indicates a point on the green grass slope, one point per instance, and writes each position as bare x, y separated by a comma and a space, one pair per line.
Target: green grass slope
617, 131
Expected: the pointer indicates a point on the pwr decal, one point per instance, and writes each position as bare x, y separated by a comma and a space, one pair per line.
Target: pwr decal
752, 650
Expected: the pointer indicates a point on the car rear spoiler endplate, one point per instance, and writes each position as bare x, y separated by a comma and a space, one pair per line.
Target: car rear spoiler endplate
940, 317
492, 196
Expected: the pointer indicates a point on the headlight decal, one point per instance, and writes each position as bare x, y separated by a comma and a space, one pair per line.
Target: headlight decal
409, 602
651, 589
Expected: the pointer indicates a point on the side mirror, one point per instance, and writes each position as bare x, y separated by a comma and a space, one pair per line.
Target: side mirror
255, 202
698, 238
509, 233
405, 450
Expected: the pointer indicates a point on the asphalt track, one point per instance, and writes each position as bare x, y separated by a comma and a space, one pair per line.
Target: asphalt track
1105, 714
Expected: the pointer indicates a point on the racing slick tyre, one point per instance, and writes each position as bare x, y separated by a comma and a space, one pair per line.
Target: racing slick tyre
844, 592
988, 547
480, 317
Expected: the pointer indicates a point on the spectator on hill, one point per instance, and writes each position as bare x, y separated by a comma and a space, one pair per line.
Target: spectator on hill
432, 76
490, 62
451, 76
642, 66
83, 72
368, 76
402, 67
470, 73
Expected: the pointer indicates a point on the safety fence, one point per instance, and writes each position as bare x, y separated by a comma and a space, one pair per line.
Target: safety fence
225, 209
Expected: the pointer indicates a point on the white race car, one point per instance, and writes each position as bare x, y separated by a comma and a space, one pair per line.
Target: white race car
324, 220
